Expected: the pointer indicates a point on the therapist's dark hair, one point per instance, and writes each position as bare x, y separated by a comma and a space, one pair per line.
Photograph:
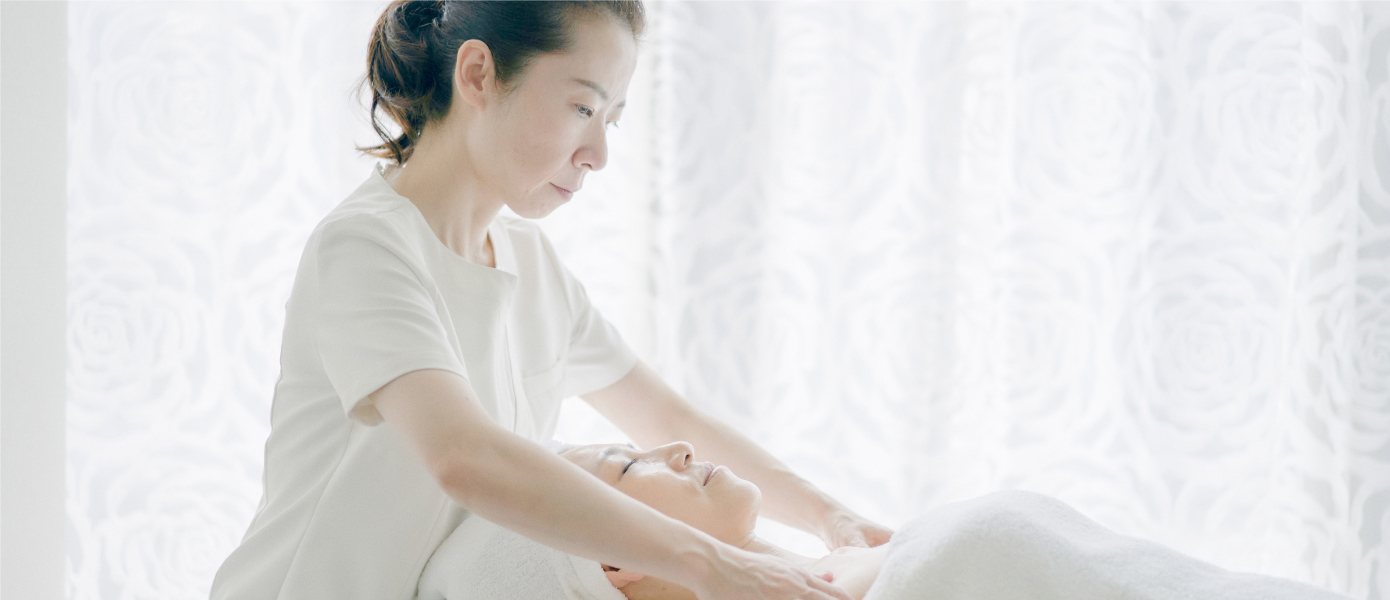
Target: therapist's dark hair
410, 60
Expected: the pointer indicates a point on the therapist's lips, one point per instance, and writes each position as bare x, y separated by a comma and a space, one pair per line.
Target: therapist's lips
567, 194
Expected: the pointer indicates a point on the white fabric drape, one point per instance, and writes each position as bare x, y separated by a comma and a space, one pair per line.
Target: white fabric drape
1135, 256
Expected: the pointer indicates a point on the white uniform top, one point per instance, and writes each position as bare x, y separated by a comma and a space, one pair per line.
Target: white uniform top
349, 511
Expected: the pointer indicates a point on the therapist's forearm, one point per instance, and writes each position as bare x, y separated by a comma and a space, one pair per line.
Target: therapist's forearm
787, 498
653, 414
520, 485
514, 483
532, 491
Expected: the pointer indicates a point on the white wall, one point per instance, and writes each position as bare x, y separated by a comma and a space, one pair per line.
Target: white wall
33, 271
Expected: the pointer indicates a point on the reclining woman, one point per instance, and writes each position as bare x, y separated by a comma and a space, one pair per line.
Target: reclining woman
1002, 546
714, 500
482, 560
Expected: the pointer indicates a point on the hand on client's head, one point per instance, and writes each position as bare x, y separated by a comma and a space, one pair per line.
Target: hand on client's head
619, 578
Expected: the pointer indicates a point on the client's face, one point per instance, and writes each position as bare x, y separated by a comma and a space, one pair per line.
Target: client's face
667, 478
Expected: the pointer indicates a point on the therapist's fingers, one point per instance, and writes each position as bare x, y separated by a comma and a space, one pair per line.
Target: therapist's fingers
750, 576
877, 535
823, 590
845, 528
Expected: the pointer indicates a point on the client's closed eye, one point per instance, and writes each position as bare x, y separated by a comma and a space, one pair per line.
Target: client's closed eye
629, 466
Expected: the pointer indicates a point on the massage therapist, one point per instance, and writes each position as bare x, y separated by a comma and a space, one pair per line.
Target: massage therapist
428, 340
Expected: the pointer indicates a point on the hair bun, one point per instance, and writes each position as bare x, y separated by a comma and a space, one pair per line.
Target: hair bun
418, 14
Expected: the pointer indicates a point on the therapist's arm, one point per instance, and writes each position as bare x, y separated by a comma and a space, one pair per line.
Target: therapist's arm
653, 414
522, 486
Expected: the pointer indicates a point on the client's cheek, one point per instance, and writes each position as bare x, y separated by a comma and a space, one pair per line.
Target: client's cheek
658, 500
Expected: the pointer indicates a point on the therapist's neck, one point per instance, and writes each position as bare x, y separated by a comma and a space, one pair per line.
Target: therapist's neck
442, 180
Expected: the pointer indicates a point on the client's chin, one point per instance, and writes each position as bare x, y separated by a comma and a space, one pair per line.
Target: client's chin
740, 513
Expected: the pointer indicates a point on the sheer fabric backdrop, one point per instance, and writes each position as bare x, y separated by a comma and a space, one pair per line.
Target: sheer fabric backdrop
1136, 256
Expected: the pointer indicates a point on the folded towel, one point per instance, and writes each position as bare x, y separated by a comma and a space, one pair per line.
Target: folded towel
1020, 545
482, 560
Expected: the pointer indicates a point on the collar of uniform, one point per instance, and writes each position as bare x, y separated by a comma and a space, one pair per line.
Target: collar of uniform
503, 255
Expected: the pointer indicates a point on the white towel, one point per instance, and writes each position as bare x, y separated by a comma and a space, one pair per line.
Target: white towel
485, 561
1020, 545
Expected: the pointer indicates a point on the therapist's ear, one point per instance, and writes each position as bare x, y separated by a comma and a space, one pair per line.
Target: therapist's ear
474, 71
619, 577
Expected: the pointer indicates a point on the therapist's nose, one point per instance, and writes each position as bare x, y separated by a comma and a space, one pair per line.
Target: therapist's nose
678, 454
593, 154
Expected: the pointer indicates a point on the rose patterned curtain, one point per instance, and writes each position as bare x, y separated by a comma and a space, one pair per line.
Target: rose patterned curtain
1132, 255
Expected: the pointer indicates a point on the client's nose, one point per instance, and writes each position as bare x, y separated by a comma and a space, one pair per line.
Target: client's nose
679, 454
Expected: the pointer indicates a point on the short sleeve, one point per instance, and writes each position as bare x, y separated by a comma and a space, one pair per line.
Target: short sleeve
376, 319
598, 356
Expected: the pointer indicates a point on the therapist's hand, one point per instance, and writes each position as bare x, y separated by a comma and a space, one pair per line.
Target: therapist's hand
753, 576
843, 527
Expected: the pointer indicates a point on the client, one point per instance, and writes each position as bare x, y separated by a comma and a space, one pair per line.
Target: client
712, 499
1001, 546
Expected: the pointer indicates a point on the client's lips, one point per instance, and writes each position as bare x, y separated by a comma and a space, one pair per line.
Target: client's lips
709, 473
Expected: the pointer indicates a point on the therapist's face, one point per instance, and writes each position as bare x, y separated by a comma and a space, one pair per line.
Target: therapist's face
546, 134
667, 478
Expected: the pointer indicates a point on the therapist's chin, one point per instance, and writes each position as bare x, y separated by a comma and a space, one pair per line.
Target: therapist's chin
536, 208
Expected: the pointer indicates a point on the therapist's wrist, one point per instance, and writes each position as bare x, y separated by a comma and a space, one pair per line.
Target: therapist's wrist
696, 560
811, 509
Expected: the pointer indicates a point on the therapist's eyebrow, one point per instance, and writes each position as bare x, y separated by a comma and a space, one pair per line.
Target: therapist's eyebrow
598, 89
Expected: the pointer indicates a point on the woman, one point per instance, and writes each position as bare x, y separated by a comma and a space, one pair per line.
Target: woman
428, 341
713, 499
1002, 546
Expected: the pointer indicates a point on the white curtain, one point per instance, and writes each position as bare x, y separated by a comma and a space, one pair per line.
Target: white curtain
1133, 255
